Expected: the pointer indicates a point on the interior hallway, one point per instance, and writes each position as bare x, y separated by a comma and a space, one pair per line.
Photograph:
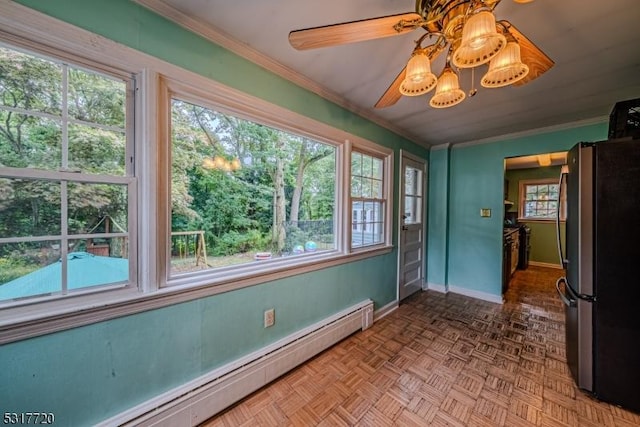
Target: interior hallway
441, 360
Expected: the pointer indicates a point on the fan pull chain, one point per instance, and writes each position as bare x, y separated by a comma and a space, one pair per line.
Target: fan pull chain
473, 89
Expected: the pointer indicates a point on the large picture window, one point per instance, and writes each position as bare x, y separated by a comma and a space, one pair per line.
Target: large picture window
66, 177
245, 193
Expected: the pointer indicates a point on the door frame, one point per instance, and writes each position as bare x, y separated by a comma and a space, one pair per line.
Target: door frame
414, 158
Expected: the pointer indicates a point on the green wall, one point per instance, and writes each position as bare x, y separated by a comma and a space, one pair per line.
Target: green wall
438, 216
544, 246
476, 177
88, 374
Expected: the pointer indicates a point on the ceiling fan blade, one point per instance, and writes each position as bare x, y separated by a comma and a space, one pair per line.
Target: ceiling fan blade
350, 32
392, 94
531, 55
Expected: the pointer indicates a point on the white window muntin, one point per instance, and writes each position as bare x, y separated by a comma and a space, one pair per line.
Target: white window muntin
64, 175
378, 228
561, 202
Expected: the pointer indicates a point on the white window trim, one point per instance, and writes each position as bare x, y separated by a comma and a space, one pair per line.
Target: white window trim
207, 93
386, 166
387, 158
522, 196
24, 25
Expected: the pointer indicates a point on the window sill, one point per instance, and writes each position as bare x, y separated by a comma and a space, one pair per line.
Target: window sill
541, 220
17, 324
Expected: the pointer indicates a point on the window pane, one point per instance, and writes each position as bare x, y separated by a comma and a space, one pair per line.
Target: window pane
97, 262
541, 201
413, 181
356, 164
378, 168
96, 150
367, 166
29, 208
370, 230
530, 209
30, 83
29, 269
412, 210
367, 188
244, 193
377, 189
97, 208
97, 99
356, 186
29, 141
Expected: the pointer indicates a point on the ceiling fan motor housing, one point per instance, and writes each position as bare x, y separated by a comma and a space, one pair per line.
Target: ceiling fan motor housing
447, 16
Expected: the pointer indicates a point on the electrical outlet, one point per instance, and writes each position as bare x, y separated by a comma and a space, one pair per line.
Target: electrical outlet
485, 212
269, 317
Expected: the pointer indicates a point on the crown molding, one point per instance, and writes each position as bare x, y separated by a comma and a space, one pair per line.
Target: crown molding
537, 131
243, 50
444, 146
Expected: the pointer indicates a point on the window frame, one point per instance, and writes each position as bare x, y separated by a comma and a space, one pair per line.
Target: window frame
66, 176
384, 201
562, 202
244, 107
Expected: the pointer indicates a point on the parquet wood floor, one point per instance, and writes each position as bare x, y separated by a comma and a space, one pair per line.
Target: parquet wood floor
441, 361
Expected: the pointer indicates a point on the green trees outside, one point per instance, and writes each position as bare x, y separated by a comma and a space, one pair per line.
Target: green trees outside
247, 186
55, 117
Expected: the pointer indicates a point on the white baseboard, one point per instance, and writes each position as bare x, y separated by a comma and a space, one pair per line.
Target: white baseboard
437, 287
545, 264
476, 294
200, 399
384, 311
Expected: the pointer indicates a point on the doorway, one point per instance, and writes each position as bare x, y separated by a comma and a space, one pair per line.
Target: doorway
532, 203
412, 225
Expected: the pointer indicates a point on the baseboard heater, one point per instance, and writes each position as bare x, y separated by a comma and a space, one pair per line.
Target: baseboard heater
204, 397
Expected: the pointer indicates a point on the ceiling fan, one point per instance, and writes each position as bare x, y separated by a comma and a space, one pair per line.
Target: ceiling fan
466, 28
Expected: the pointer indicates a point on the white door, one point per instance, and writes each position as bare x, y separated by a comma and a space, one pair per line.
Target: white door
411, 240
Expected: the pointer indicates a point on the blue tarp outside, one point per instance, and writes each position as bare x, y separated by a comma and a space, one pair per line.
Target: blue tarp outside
83, 270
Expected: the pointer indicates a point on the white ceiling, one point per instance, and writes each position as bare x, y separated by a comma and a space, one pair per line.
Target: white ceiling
595, 45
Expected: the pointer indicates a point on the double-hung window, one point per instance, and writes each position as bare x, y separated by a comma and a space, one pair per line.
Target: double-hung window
368, 199
67, 186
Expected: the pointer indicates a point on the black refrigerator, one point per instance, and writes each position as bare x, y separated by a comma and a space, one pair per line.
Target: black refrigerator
601, 290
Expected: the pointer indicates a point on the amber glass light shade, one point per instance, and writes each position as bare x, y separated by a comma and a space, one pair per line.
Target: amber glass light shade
505, 68
448, 92
480, 41
418, 79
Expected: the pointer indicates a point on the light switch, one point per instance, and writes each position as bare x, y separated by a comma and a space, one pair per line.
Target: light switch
485, 212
